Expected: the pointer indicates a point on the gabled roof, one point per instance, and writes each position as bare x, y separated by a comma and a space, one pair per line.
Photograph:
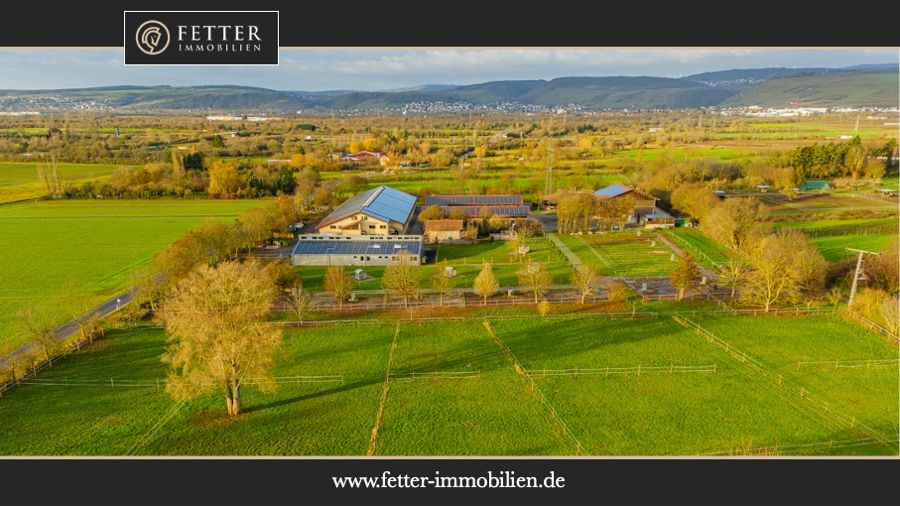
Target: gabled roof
443, 225
383, 203
613, 191
474, 200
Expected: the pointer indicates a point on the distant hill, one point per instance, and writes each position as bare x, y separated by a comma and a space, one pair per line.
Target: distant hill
740, 79
832, 89
862, 85
232, 98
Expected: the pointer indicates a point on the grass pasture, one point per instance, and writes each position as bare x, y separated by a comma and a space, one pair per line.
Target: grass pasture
705, 251
832, 237
74, 410
19, 180
94, 244
622, 253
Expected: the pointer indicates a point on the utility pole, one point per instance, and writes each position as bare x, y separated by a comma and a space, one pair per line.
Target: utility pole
548, 185
856, 273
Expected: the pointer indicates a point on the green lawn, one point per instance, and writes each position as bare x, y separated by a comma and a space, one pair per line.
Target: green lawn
19, 180
833, 237
93, 244
623, 253
492, 413
704, 250
870, 394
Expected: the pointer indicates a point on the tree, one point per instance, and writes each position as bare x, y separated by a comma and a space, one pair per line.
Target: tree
736, 221
224, 179
574, 212
535, 276
79, 310
786, 267
884, 270
685, 275
299, 299
585, 279
441, 283
520, 238
41, 333
338, 284
486, 283
433, 212
402, 277
219, 337
617, 291
733, 274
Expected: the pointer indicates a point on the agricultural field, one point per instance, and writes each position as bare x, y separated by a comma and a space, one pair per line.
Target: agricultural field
468, 260
94, 245
705, 251
623, 253
833, 237
19, 180
839, 371
823, 203
453, 391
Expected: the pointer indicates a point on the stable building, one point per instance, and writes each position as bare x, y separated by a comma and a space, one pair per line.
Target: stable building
657, 218
476, 206
323, 250
379, 211
437, 231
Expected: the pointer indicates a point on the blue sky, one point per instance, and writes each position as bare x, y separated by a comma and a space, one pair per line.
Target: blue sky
380, 69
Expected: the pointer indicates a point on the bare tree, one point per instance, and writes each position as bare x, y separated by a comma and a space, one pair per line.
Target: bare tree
299, 300
40, 332
535, 276
585, 278
736, 222
220, 340
733, 274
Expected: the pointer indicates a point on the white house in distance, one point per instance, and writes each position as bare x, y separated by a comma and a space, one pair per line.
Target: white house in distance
379, 211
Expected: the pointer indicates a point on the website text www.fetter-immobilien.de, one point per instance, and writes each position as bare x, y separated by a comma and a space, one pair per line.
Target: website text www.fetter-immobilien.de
501, 479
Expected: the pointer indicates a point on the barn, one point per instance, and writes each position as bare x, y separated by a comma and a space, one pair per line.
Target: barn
355, 250
379, 211
474, 206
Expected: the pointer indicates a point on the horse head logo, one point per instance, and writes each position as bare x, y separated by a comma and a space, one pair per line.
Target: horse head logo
152, 37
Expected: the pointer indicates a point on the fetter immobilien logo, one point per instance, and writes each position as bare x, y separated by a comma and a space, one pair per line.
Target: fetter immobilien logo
201, 38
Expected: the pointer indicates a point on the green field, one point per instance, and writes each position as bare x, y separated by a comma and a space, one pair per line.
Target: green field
623, 253
870, 394
704, 250
833, 237
19, 180
94, 244
108, 392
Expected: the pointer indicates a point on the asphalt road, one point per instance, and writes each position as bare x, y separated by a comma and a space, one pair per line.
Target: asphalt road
69, 328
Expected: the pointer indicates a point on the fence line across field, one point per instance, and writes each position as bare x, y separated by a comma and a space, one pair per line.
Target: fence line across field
436, 375
854, 364
845, 443
783, 386
638, 370
158, 383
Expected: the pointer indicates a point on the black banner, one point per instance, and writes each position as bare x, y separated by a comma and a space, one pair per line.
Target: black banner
577, 481
471, 24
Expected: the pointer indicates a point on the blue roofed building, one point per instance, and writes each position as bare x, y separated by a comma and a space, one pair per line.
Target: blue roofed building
477, 206
360, 250
379, 211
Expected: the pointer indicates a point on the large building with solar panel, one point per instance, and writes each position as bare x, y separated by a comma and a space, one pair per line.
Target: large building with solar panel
475, 206
360, 250
379, 211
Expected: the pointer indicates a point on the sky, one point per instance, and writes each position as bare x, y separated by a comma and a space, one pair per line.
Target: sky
383, 69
